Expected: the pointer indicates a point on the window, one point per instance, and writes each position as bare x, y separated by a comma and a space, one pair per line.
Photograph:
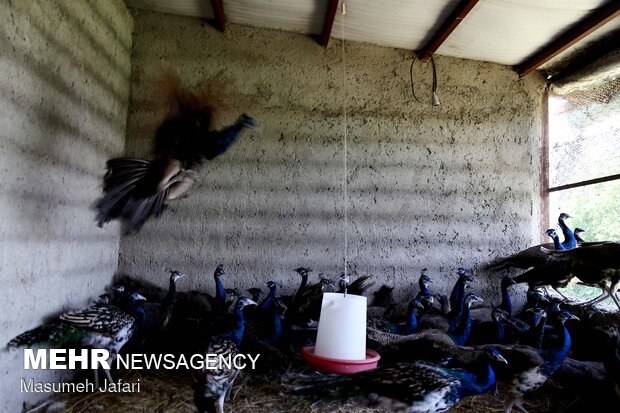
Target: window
584, 161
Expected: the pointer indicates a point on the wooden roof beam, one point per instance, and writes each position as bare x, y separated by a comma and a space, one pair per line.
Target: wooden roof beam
571, 36
332, 8
218, 12
447, 28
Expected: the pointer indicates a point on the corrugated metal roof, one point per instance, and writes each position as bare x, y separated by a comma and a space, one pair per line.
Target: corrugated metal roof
500, 31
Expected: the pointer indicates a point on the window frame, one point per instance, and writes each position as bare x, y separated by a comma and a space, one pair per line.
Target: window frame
546, 190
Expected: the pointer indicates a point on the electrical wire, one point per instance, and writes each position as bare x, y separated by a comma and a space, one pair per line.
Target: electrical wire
434, 84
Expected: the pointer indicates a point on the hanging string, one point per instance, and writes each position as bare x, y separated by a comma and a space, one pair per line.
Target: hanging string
344, 109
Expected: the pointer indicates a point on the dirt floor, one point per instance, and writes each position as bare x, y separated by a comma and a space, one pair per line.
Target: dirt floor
162, 392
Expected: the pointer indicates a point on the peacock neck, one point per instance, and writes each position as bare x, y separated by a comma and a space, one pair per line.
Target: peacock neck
555, 356
412, 321
499, 331
172, 288
506, 304
456, 298
569, 235
556, 243
277, 326
230, 134
237, 332
220, 292
269, 300
481, 383
462, 331
136, 310
301, 289
538, 333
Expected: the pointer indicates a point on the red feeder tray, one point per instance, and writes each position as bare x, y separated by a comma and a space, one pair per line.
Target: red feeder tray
329, 365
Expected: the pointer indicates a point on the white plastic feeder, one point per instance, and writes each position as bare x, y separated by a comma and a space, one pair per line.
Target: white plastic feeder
342, 327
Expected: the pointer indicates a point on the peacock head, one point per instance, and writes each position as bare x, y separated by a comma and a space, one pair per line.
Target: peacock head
536, 294
578, 231
563, 216
325, 282
219, 271
281, 307
555, 304
566, 315
461, 271
538, 315
175, 275
425, 279
243, 302
137, 297
466, 280
254, 291
499, 315
104, 299
507, 281
234, 292
494, 355
302, 271
248, 122
272, 285
472, 298
417, 303
552, 233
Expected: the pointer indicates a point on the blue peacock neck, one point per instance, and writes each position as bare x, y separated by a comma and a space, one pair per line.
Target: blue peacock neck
220, 292
569, 236
481, 383
506, 303
236, 334
555, 356
462, 331
412, 321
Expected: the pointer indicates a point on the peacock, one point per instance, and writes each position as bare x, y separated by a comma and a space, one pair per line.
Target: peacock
413, 387
570, 241
506, 304
303, 273
424, 294
577, 233
553, 234
216, 381
458, 292
409, 327
157, 315
255, 293
218, 302
271, 297
136, 189
530, 367
100, 326
611, 357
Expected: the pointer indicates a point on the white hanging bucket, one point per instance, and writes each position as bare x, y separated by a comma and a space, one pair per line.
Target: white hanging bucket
342, 327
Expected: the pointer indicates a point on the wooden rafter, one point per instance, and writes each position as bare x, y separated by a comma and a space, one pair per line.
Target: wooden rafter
329, 22
447, 28
218, 12
571, 36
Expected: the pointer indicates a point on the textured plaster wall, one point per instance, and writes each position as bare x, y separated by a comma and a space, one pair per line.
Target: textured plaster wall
427, 187
64, 93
